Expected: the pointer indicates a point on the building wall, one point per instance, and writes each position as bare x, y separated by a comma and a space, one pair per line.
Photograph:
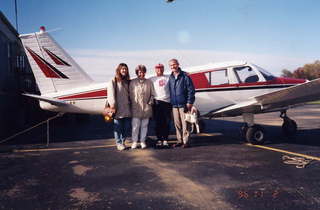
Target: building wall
16, 111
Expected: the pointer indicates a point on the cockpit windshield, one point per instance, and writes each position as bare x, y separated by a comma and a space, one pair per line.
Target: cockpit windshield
267, 75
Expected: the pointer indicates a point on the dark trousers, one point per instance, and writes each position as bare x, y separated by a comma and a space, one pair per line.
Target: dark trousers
162, 117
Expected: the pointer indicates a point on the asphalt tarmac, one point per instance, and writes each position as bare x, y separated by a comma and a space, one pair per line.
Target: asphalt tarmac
81, 168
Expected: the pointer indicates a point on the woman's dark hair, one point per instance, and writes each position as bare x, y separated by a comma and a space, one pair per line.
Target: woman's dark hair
141, 68
118, 76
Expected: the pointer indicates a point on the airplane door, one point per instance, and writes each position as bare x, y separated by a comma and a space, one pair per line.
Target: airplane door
249, 82
217, 94
247, 75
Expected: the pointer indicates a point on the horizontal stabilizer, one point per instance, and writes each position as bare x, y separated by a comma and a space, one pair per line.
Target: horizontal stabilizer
52, 101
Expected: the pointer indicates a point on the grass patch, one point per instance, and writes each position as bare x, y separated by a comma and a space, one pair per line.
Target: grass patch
314, 102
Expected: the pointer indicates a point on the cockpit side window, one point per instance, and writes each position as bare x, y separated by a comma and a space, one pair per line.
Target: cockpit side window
246, 74
218, 77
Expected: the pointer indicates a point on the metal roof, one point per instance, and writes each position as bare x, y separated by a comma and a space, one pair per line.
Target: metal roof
8, 24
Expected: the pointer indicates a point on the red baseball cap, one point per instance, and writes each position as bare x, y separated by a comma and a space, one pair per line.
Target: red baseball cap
159, 66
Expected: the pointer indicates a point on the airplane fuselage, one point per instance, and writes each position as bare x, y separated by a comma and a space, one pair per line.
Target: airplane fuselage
212, 93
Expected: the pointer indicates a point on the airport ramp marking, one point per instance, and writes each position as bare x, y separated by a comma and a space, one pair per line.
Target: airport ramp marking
180, 186
284, 151
89, 147
63, 148
208, 134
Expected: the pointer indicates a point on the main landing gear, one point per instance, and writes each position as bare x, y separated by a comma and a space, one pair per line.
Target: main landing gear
255, 134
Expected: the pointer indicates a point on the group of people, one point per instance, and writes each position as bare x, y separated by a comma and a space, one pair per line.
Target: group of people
160, 97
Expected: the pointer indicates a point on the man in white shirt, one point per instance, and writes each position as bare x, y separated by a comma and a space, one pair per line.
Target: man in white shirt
162, 106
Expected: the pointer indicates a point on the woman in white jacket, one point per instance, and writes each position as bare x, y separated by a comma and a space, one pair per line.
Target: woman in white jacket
119, 102
141, 96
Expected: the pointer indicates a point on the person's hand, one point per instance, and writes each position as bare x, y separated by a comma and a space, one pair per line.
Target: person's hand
108, 111
155, 102
112, 109
189, 107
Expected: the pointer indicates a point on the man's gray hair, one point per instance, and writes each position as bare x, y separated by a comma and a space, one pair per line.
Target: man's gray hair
174, 60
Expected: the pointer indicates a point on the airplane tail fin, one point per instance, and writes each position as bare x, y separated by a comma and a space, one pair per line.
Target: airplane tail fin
53, 68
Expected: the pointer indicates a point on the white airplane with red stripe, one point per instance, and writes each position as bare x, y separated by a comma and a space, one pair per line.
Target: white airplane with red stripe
222, 89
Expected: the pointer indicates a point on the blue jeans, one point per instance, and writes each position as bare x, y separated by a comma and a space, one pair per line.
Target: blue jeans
121, 129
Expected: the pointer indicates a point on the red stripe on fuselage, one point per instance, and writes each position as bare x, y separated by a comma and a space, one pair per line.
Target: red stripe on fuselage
197, 80
86, 95
200, 81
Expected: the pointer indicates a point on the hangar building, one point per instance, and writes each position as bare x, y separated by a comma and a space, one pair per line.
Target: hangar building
16, 112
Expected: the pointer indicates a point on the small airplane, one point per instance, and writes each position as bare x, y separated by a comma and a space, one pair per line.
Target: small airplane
237, 88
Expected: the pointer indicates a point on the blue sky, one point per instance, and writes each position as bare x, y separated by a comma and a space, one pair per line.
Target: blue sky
274, 34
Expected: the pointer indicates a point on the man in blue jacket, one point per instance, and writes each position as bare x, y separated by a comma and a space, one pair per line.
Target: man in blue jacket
182, 98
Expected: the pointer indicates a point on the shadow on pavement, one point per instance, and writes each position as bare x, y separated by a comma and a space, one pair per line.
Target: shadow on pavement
71, 127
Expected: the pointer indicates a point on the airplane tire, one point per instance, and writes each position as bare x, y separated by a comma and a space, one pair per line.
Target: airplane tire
255, 135
289, 127
243, 130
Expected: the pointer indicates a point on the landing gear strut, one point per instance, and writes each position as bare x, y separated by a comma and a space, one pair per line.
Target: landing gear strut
289, 126
254, 134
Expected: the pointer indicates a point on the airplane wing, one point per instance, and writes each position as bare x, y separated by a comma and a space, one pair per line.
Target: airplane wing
301, 93
52, 101
277, 100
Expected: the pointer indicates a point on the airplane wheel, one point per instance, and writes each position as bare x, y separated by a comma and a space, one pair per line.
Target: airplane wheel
243, 130
255, 135
289, 127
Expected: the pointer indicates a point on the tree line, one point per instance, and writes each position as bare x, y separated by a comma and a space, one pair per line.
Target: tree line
309, 71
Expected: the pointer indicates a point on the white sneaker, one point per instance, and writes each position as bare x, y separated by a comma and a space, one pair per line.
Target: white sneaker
165, 143
143, 145
159, 143
121, 147
134, 145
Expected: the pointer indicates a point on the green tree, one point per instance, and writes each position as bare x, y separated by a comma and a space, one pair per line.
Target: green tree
309, 71
286, 73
